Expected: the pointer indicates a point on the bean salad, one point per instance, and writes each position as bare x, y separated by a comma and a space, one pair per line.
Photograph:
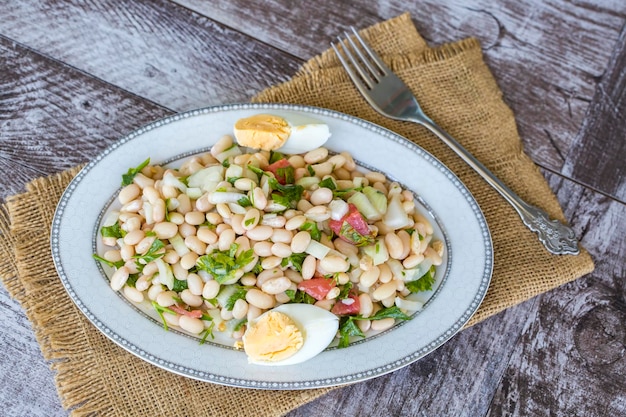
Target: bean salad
234, 232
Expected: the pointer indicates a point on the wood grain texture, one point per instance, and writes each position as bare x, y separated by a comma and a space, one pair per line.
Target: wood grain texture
598, 156
571, 358
76, 75
155, 49
38, 98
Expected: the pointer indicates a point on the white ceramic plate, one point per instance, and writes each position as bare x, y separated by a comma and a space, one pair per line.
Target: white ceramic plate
463, 279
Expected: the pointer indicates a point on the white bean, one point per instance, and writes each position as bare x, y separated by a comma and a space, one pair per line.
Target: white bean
191, 324
260, 233
195, 284
226, 239
295, 222
308, 267
207, 235
369, 277
166, 298
165, 230
316, 155
129, 193
240, 309
133, 294
300, 241
191, 299
281, 235
321, 196
119, 278
211, 289
333, 264
263, 249
394, 245
282, 250
366, 306
251, 219
383, 324
260, 299
194, 217
276, 285
384, 291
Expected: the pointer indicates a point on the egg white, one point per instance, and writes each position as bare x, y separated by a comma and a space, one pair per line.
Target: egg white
305, 137
318, 327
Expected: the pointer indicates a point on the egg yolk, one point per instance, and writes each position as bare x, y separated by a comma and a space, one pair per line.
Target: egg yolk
262, 131
274, 337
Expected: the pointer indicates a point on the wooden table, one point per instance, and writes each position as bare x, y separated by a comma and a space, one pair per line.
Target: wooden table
75, 76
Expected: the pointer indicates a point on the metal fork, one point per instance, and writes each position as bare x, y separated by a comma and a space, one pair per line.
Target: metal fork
391, 97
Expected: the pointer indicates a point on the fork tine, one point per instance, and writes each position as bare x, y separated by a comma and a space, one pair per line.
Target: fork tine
362, 78
382, 69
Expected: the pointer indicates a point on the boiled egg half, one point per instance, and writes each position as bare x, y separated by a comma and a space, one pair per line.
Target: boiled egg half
289, 334
293, 134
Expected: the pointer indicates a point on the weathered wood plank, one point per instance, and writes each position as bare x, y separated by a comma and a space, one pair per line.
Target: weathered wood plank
54, 117
598, 155
27, 383
571, 358
548, 79
154, 49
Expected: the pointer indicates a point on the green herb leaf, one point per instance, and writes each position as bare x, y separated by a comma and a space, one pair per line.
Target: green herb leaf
244, 202
112, 231
127, 178
224, 265
311, 170
347, 329
345, 291
328, 182
207, 332
389, 312
256, 170
286, 195
160, 310
179, 285
287, 174
424, 283
239, 294
152, 254
295, 260
313, 230
275, 156
115, 265
300, 297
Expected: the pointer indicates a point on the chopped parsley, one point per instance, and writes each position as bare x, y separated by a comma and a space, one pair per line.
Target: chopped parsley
225, 265
286, 195
112, 231
424, 283
348, 327
313, 230
300, 297
115, 265
127, 178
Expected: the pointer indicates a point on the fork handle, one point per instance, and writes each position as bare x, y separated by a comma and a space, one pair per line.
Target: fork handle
557, 237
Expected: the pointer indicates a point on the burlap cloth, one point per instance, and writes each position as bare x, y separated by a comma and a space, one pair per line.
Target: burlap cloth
96, 377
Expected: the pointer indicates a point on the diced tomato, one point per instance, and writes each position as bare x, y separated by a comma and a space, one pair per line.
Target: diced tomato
357, 222
317, 287
348, 308
280, 164
191, 313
